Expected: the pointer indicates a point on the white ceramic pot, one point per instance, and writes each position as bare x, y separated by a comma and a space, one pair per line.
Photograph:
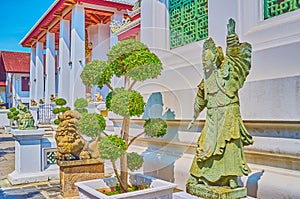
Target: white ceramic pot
159, 189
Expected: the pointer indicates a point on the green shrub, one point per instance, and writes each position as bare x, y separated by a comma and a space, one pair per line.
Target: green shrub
56, 121
81, 103
112, 147
60, 102
92, 125
134, 161
155, 127
127, 103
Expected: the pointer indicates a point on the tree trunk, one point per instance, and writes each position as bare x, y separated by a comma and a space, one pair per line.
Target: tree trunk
123, 159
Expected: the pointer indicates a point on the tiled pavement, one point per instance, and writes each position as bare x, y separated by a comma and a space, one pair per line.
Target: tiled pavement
42, 190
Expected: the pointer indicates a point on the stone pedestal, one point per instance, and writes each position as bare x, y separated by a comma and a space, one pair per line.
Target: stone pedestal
34, 111
216, 192
28, 157
76, 171
4, 121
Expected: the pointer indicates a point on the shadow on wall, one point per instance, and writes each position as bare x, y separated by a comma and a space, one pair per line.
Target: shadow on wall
252, 183
154, 108
158, 161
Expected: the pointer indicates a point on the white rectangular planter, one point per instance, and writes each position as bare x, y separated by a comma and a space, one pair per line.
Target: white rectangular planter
159, 189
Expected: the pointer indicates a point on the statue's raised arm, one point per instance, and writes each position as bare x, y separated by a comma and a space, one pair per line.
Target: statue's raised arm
238, 57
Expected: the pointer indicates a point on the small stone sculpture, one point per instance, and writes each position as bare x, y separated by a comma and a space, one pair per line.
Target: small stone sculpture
69, 141
52, 98
98, 97
33, 102
219, 158
26, 121
41, 101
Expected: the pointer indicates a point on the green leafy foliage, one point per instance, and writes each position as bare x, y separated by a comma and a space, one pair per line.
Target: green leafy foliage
56, 121
108, 100
143, 65
13, 114
122, 50
12, 109
61, 109
101, 121
92, 124
56, 110
60, 102
96, 72
64, 109
127, 103
10, 115
134, 161
111, 147
155, 127
81, 105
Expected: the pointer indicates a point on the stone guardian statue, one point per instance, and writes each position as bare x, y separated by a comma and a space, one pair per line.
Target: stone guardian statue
219, 158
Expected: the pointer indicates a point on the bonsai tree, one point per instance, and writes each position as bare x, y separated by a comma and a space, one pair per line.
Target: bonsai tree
13, 116
132, 60
60, 109
81, 105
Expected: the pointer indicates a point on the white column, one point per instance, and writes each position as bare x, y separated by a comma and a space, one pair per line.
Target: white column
32, 73
50, 66
77, 89
155, 24
101, 41
113, 38
39, 91
64, 59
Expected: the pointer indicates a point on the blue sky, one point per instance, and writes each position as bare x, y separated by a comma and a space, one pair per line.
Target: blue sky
17, 17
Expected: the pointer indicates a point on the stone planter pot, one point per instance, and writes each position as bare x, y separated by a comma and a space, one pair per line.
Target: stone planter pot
76, 171
158, 188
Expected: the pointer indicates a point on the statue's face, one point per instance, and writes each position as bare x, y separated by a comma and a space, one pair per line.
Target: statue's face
208, 60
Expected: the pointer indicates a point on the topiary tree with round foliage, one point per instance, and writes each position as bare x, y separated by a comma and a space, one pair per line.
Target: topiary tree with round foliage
60, 108
134, 61
81, 105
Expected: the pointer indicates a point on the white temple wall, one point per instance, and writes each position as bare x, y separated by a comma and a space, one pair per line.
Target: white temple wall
271, 91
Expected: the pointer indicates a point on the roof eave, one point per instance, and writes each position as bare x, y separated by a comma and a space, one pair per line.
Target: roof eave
38, 22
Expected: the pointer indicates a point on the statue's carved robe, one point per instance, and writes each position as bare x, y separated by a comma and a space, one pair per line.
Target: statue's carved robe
220, 146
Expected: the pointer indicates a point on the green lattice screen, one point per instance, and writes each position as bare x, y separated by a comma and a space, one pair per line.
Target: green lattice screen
274, 8
188, 21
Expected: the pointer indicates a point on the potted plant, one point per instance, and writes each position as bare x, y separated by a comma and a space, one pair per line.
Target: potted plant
133, 61
60, 108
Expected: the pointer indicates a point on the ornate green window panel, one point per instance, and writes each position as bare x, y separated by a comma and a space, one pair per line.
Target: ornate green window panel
51, 157
188, 21
274, 8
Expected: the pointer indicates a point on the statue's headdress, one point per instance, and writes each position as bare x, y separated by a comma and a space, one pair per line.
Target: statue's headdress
209, 44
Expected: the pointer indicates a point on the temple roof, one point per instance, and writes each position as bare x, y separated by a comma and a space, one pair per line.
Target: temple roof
62, 9
15, 62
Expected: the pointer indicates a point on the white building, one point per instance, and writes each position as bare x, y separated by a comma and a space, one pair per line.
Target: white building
175, 30
14, 77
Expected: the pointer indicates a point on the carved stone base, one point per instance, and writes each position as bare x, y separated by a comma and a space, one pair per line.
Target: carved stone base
216, 192
76, 171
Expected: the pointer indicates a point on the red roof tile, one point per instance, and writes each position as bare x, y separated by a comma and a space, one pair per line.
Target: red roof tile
16, 62
2, 83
